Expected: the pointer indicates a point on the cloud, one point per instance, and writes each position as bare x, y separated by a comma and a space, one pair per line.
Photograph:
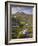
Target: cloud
27, 10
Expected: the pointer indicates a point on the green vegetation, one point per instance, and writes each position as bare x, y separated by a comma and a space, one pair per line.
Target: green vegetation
24, 21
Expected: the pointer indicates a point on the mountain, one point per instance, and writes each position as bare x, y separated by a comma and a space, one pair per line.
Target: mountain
22, 13
23, 16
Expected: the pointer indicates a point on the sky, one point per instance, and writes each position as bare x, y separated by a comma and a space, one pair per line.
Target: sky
27, 10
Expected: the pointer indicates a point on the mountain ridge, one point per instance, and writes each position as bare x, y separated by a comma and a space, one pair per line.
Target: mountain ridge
22, 13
